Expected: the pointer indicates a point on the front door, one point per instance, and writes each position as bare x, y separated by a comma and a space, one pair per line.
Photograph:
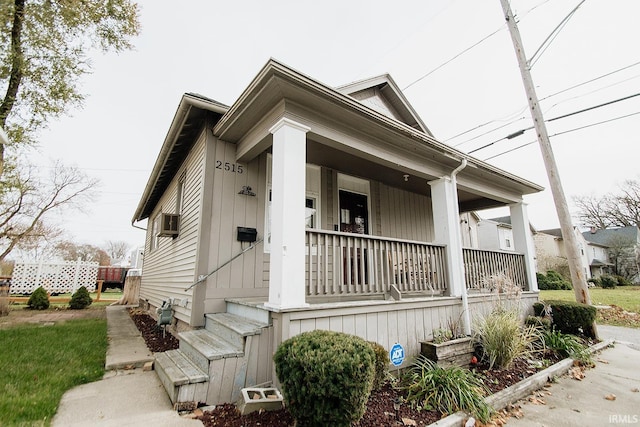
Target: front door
354, 212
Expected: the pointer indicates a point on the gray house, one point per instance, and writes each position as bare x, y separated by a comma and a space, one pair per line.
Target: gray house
303, 206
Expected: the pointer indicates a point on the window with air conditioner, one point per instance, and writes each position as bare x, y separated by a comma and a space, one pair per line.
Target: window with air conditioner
169, 225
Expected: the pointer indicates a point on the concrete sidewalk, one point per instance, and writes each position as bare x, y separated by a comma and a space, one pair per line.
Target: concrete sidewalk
125, 397
584, 403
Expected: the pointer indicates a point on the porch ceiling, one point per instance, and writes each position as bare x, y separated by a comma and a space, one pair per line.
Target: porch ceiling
320, 154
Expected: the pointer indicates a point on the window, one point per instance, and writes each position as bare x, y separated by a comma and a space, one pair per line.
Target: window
508, 243
311, 216
155, 228
180, 193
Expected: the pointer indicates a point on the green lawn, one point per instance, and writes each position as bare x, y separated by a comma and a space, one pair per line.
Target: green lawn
627, 297
39, 363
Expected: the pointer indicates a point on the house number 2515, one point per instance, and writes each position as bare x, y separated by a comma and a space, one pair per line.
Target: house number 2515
229, 167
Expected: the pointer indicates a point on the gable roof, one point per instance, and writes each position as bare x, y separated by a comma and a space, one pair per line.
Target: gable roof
276, 85
383, 95
603, 237
187, 122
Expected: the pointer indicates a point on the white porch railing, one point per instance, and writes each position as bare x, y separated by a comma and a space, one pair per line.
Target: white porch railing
344, 264
484, 270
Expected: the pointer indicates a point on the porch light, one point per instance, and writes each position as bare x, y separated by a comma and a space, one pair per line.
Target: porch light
246, 191
406, 177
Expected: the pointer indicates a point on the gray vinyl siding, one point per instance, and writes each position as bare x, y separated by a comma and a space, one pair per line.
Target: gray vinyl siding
170, 268
245, 276
404, 215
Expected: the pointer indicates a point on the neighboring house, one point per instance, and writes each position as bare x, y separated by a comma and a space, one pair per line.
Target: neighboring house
551, 254
304, 207
622, 248
496, 234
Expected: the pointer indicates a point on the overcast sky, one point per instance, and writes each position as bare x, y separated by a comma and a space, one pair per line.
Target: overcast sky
215, 48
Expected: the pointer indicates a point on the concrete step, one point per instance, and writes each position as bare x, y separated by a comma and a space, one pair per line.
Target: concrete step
232, 327
183, 381
202, 346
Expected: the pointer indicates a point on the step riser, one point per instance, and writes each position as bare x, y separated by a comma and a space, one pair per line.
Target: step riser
195, 356
253, 313
225, 333
172, 390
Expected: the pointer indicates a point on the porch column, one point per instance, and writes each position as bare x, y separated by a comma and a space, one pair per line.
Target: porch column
286, 272
523, 241
446, 224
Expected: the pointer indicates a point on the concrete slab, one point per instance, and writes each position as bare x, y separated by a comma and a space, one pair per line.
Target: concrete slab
126, 345
130, 398
584, 403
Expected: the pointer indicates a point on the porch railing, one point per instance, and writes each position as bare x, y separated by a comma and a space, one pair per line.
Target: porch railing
346, 264
493, 270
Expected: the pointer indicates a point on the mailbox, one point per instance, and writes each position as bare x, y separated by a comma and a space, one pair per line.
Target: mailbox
246, 234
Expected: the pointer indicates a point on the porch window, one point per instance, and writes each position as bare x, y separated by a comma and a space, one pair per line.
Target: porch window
311, 217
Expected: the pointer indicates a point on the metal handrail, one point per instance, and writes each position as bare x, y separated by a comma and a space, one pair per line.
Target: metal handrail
204, 277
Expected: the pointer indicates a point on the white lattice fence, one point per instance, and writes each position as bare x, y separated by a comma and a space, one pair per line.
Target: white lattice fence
55, 277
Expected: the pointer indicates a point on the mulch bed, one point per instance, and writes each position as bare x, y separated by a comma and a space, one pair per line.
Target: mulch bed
156, 340
380, 409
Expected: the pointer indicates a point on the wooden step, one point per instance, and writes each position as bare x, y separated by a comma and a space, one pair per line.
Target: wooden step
183, 381
202, 346
232, 327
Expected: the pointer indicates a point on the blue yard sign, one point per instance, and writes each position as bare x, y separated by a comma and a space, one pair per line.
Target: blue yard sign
396, 354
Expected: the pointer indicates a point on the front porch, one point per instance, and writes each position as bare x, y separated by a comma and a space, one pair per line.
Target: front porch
345, 266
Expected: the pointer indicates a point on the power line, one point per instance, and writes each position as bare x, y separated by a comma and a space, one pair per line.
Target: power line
454, 57
546, 97
563, 132
556, 31
522, 131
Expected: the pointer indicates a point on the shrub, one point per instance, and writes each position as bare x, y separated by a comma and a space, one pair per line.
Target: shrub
39, 299
501, 339
326, 377
608, 282
447, 390
565, 345
570, 317
80, 299
538, 322
623, 281
552, 281
381, 364
594, 280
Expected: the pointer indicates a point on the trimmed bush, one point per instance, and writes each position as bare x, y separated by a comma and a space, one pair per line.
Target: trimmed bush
80, 299
447, 390
552, 281
570, 317
326, 377
608, 282
381, 364
39, 299
623, 281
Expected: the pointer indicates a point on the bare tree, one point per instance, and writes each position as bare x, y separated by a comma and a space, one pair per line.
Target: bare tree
70, 251
618, 209
117, 249
26, 200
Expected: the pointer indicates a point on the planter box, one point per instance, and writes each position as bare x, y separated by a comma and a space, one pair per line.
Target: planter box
454, 352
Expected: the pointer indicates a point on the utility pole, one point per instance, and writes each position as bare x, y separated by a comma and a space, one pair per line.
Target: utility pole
570, 241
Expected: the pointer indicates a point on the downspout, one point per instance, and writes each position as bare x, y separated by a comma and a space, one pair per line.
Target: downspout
466, 318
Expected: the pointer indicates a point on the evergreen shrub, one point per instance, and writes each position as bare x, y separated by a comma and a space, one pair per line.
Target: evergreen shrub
569, 317
39, 299
326, 377
381, 364
80, 299
608, 282
552, 281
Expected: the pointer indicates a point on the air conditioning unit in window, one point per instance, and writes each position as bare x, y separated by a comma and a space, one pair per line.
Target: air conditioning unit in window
169, 225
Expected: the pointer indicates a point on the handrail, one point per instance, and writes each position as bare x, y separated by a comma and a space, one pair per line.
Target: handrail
204, 277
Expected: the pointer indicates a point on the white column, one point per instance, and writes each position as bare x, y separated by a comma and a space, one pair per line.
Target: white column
446, 225
523, 241
286, 272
